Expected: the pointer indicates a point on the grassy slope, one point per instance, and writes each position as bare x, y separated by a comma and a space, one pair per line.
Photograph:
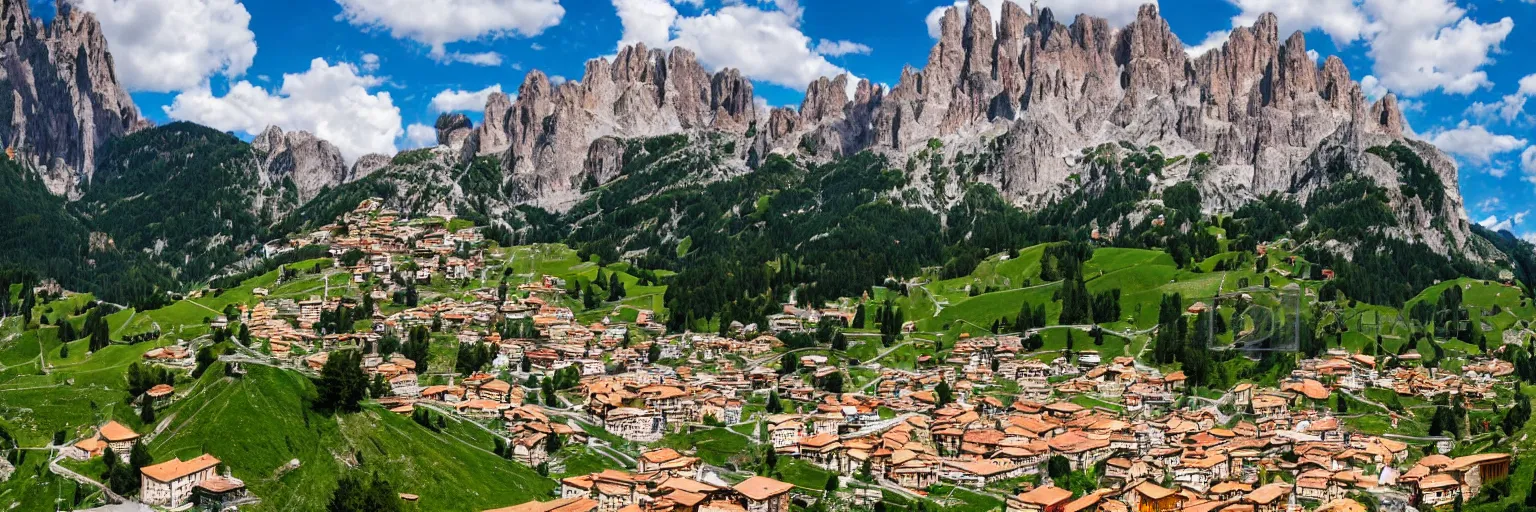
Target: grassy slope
448, 473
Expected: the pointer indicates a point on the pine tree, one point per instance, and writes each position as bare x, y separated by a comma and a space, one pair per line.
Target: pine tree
343, 385
147, 411
942, 394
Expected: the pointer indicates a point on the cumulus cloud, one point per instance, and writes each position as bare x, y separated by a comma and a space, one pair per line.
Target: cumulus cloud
1493, 223
172, 45
1528, 163
840, 48
1510, 107
1475, 143
1212, 41
1340, 19
645, 21
436, 23
1118, 12
418, 135
370, 62
1424, 45
334, 102
764, 42
454, 100
489, 59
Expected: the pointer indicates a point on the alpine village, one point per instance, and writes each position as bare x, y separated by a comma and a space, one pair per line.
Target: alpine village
1064, 267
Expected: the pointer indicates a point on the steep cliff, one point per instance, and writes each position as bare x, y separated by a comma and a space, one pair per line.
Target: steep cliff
545, 138
309, 162
59, 93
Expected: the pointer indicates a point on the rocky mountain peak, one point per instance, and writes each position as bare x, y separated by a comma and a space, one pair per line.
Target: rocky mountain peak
1259, 106
310, 162
64, 98
453, 129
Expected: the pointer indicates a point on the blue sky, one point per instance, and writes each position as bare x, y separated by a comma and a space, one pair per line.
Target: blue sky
369, 75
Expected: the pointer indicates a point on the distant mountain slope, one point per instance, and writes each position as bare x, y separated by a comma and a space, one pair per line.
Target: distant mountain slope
186, 195
38, 233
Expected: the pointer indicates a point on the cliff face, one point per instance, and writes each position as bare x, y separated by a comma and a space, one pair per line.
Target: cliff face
58, 93
1029, 87
546, 138
310, 162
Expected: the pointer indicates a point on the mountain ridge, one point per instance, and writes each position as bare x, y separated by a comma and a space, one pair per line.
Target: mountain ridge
1268, 115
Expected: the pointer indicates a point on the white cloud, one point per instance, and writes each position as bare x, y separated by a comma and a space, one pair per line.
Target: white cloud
489, 59
840, 48
1212, 41
436, 23
765, 44
172, 45
1340, 19
1528, 163
370, 62
1492, 203
645, 21
1372, 88
536, 47
1118, 12
1510, 107
331, 101
1424, 45
1507, 224
454, 100
557, 80
1495, 224
1475, 143
418, 135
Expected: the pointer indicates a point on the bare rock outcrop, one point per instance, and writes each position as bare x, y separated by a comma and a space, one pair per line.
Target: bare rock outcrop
366, 165
310, 162
1031, 88
59, 97
453, 129
551, 136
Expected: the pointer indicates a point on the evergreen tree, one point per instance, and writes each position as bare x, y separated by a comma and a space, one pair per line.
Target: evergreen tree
379, 388
418, 348
354, 494
139, 457
147, 411
942, 394
343, 385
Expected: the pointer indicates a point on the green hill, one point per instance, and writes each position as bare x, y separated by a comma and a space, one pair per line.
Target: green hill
259, 423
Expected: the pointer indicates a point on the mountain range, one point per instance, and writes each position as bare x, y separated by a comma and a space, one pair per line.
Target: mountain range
1019, 100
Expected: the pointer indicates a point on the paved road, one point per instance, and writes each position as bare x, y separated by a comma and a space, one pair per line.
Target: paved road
55, 468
